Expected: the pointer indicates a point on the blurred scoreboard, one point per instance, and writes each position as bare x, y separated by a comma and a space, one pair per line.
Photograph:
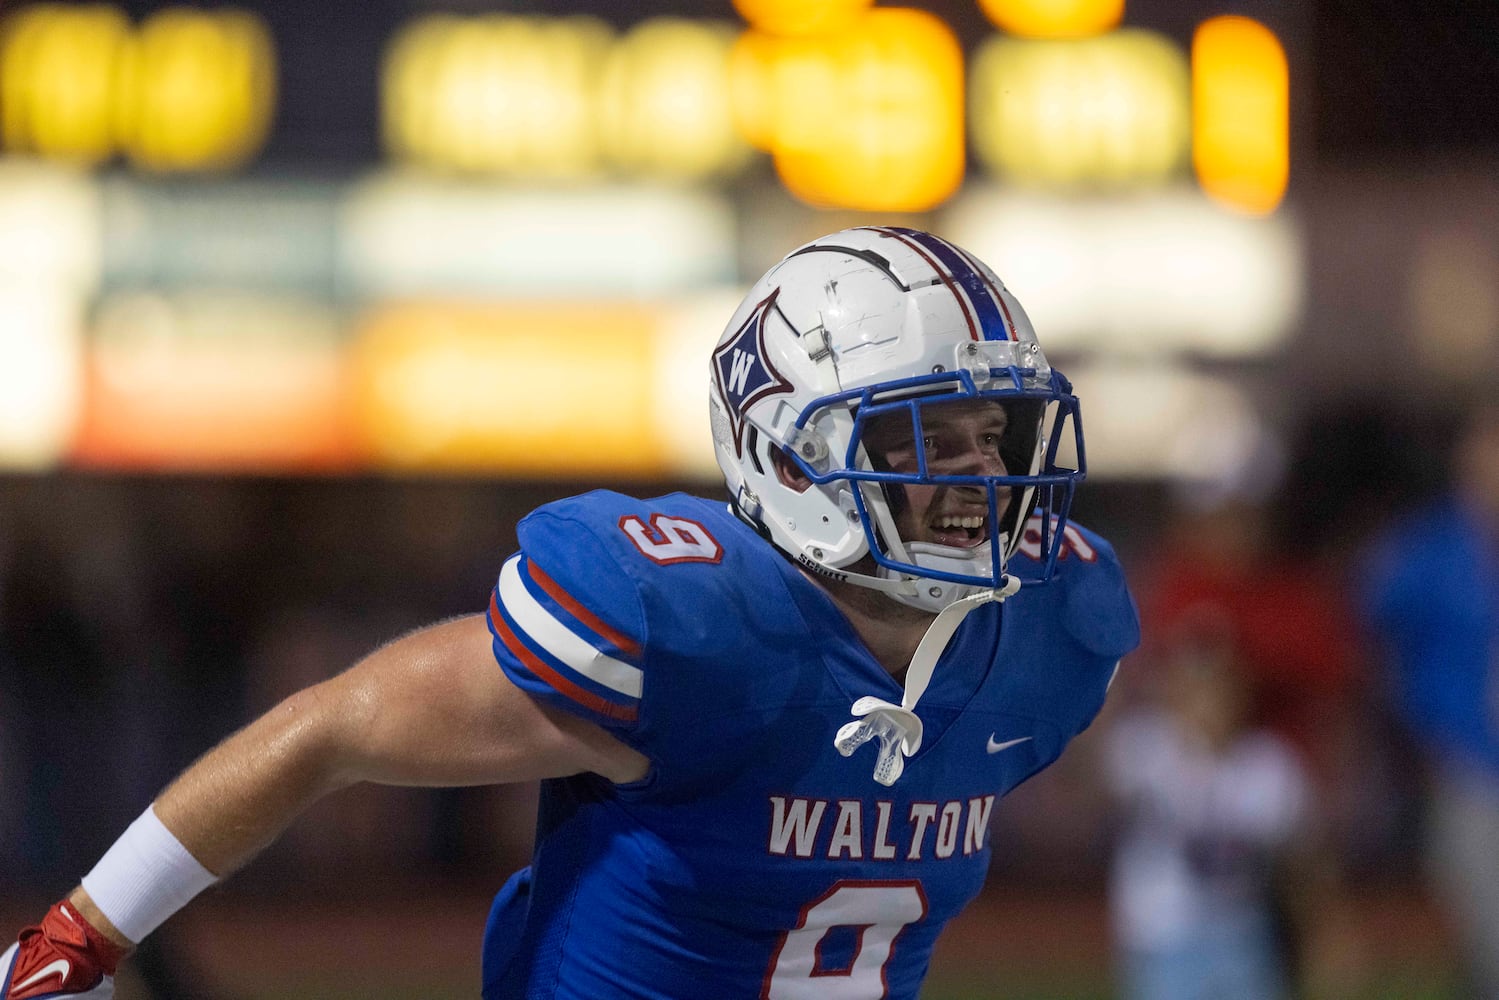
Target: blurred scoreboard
533, 212
867, 108
184, 90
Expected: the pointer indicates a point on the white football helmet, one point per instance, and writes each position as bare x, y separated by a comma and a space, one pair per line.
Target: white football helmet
873, 321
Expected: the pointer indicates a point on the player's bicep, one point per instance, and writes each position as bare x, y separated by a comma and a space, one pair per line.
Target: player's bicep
433, 708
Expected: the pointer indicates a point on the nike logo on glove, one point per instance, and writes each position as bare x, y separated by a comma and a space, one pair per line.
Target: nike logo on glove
60, 968
994, 747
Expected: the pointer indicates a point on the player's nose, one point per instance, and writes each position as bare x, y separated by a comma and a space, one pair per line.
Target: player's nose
979, 456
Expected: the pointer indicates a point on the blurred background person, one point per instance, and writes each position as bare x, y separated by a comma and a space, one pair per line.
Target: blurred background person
1250, 569
1432, 595
1212, 811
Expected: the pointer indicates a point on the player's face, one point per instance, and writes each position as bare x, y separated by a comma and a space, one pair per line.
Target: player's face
961, 438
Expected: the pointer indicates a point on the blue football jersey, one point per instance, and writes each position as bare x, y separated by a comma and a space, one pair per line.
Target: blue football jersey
753, 860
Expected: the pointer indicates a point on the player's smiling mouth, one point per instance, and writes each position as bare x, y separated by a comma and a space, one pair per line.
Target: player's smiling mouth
961, 530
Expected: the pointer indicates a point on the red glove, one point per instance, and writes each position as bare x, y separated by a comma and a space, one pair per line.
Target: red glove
62, 956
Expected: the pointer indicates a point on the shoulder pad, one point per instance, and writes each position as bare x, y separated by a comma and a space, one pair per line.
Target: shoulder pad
609, 591
654, 543
1097, 609
568, 627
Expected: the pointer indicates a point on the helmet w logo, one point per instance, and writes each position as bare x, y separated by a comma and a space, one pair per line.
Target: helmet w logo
739, 375
742, 373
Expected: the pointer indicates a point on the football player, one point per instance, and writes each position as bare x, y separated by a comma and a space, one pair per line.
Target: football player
770, 733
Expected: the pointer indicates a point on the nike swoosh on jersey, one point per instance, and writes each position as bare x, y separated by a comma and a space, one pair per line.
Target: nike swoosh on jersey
59, 968
995, 747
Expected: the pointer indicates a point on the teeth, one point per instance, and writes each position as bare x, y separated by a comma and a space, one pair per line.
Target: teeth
960, 522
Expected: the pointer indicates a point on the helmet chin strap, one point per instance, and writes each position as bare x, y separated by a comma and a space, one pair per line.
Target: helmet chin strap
897, 726
932, 594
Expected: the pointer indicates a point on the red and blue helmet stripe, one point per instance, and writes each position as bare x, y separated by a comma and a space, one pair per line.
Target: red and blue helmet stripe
983, 307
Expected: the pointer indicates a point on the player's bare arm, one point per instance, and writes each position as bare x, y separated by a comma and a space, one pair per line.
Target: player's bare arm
429, 709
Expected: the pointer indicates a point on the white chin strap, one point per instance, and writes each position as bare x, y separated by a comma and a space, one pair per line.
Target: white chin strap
897, 726
937, 595
924, 593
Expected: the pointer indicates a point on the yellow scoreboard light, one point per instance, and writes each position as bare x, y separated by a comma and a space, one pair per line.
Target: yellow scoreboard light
1240, 114
197, 89
752, 86
560, 98
869, 117
1054, 18
665, 107
1105, 112
496, 94
187, 90
800, 17
58, 66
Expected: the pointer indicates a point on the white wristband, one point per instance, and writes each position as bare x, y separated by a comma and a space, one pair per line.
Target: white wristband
145, 877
